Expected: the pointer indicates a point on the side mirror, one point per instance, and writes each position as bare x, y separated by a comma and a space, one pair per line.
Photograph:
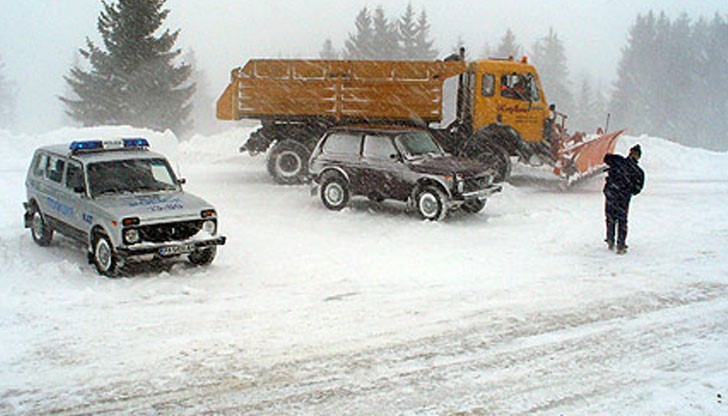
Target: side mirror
181, 181
395, 157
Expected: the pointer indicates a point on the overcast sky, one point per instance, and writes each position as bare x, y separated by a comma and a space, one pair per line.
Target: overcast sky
38, 38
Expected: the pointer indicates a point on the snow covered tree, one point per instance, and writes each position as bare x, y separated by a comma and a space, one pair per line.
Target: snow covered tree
549, 56
134, 79
7, 99
508, 46
328, 51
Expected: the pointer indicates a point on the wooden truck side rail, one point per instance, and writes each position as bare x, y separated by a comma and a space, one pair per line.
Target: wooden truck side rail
336, 90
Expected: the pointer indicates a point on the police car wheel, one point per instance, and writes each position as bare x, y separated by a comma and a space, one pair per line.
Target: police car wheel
104, 257
42, 234
202, 257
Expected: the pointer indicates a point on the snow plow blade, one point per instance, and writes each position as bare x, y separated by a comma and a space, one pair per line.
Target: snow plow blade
582, 156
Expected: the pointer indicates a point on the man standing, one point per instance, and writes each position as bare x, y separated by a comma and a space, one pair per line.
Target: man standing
624, 179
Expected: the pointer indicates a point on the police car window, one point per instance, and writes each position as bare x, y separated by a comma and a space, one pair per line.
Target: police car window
40, 164
342, 143
379, 147
74, 176
54, 170
161, 171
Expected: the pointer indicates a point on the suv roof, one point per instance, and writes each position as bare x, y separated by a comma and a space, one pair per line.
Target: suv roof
386, 129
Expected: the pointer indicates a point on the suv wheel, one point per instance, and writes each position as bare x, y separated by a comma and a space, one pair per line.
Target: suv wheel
474, 206
203, 257
39, 229
431, 203
287, 162
334, 192
104, 257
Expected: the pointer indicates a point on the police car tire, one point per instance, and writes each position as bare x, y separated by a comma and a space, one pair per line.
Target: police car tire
39, 229
104, 257
203, 257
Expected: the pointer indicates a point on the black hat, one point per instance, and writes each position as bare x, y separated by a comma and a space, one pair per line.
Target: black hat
636, 149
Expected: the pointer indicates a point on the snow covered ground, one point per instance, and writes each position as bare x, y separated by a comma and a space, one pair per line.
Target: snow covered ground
520, 309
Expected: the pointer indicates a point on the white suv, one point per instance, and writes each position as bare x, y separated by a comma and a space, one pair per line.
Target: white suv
121, 200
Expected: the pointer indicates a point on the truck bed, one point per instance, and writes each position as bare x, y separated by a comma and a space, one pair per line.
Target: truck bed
283, 89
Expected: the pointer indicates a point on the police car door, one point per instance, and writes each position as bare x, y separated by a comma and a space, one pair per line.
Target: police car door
74, 196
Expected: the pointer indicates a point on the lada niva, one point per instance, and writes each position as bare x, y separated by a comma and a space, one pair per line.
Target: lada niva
119, 199
401, 163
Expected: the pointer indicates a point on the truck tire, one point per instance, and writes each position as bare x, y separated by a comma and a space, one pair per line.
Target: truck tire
288, 162
496, 158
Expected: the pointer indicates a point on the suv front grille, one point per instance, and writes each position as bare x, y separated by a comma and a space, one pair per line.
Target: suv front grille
160, 233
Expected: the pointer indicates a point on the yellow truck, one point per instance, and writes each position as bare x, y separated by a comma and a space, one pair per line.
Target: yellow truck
498, 111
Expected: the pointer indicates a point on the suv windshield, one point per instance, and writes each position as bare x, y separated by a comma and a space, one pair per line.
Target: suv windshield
132, 175
418, 144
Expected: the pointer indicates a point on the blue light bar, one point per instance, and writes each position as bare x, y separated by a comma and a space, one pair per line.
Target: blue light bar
136, 142
86, 145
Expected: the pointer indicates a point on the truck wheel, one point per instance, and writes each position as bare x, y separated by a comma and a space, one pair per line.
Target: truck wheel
497, 158
39, 229
431, 203
334, 192
203, 257
288, 162
473, 207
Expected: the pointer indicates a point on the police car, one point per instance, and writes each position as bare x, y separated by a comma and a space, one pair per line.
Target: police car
121, 200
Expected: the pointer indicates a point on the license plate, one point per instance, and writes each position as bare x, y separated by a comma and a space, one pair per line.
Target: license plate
173, 250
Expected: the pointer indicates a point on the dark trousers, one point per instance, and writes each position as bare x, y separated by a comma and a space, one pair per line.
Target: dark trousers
616, 210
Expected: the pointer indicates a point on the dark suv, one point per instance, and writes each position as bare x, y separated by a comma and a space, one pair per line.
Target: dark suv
401, 163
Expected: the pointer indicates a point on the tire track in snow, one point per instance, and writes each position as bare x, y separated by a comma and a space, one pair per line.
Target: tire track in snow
488, 368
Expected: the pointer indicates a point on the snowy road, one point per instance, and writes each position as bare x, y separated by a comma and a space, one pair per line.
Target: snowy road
517, 310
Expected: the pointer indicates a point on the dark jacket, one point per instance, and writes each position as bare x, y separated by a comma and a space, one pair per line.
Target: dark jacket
625, 178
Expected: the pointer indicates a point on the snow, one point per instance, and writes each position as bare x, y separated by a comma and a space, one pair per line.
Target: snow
519, 309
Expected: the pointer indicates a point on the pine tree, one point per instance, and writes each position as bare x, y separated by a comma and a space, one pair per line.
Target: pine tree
7, 99
328, 51
407, 31
385, 40
508, 47
549, 56
359, 45
133, 79
423, 46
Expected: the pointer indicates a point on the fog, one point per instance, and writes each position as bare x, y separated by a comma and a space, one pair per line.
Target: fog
39, 39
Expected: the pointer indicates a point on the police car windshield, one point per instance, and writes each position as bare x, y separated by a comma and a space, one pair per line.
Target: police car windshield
418, 144
130, 176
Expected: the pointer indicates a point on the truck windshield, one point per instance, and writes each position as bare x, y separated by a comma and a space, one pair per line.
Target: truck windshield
520, 87
418, 144
130, 176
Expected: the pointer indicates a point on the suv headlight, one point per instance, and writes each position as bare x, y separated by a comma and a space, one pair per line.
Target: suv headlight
131, 236
459, 183
209, 227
